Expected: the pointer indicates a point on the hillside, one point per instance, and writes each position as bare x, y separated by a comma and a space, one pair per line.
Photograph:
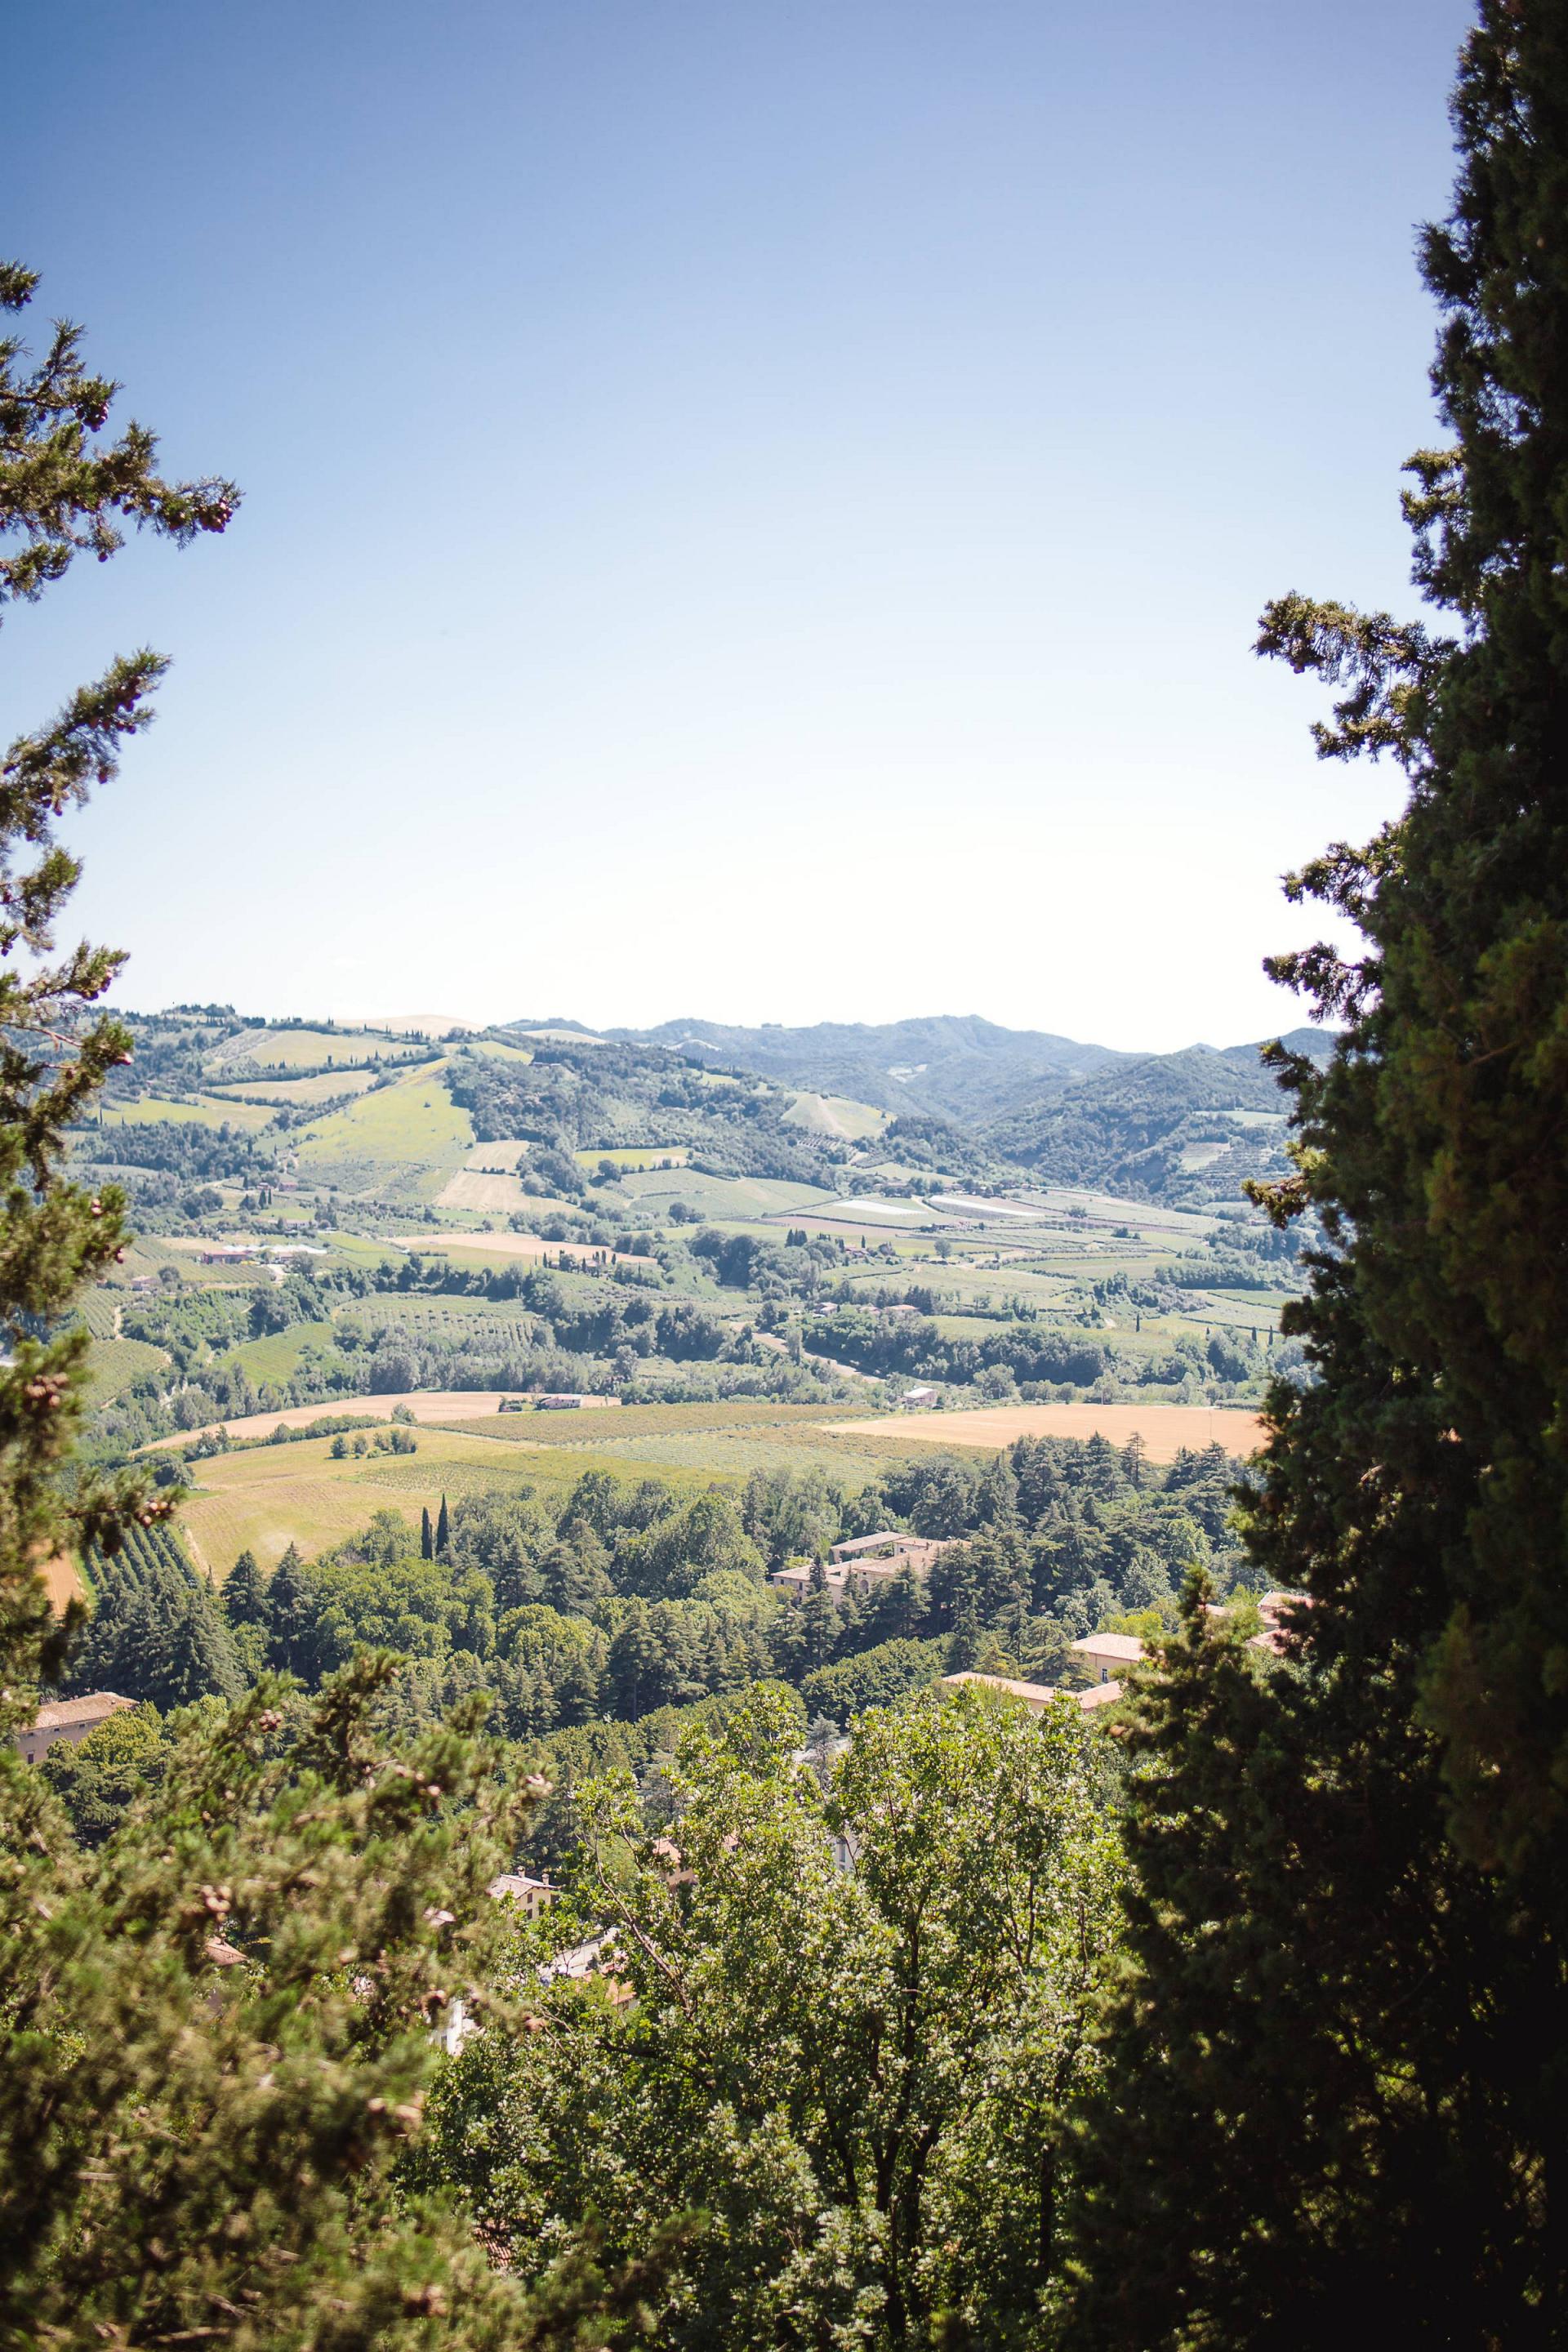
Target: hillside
330, 1219
1182, 1128
509, 1119
955, 1066
1164, 1126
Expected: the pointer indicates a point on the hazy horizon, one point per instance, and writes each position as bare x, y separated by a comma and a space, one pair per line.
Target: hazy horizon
748, 506
435, 1020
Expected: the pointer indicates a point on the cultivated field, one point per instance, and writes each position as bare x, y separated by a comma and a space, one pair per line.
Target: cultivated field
208, 1110
267, 1497
469, 1189
62, 1582
1165, 1429
250, 1050
115, 1363
835, 1115
504, 1246
502, 1153
637, 1155
433, 1405
264, 1501
320, 1087
411, 1133
722, 1197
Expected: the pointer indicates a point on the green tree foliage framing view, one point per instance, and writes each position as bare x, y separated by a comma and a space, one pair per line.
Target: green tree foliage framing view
215, 2028
65, 490
1336, 2084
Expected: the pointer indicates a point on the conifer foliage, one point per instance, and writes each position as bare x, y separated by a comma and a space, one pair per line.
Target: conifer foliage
155, 1632
217, 2024
65, 489
1337, 2081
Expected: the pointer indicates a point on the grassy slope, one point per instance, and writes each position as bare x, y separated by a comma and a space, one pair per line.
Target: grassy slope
302, 1049
409, 1137
720, 1196
835, 1115
211, 1110
266, 1498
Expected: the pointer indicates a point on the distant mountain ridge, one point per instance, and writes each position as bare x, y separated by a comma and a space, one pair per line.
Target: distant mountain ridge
1187, 1126
957, 1066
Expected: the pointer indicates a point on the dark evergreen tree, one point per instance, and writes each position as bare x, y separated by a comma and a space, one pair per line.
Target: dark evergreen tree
442, 1531
818, 1619
577, 1692
426, 1539
632, 1667
290, 1618
174, 1655
1336, 2089
245, 1594
64, 491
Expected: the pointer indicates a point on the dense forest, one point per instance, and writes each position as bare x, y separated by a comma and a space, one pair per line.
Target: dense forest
626, 1601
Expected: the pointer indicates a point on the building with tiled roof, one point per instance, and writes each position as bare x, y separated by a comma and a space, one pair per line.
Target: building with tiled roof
67, 1718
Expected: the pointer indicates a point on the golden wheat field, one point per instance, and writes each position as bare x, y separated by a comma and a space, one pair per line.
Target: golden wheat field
1165, 1429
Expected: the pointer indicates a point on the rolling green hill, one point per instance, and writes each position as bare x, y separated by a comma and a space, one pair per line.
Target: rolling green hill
233, 1109
969, 1097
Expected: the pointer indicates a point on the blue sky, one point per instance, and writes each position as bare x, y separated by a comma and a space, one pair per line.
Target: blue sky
755, 509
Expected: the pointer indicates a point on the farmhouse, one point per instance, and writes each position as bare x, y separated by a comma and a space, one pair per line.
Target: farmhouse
1273, 1608
1037, 1696
535, 1894
1108, 1656
67, 1718
920, 1398
908, 1551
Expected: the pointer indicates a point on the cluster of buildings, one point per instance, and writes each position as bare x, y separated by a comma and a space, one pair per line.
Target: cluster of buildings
862, 1563
1108, 1657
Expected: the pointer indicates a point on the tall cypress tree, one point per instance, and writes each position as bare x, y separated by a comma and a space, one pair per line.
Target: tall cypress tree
426, 1539
1338, 2077
442, 1531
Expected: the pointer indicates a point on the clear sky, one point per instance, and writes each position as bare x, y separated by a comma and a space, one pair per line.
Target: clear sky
754, 507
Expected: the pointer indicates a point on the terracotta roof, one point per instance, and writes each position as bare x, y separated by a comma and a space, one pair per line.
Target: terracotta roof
1037, 1693
1102, 1695
516, 1881
883, 1536
1111, 1645
96, 1708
